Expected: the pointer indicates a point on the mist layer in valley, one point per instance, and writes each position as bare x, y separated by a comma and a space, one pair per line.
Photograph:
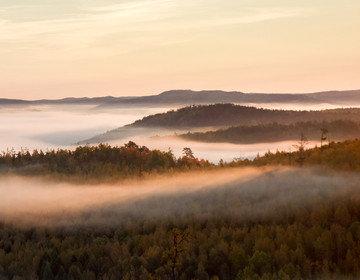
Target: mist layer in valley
244, 193
212, 151
59, 126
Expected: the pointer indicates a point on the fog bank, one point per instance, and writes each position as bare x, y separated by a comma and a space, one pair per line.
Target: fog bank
246, 193
60, 126
24, 200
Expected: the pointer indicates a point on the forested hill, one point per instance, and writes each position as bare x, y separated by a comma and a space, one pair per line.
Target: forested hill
229, 114
264, 133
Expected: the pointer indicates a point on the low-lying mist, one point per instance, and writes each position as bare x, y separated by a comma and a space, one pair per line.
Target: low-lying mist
212, 151
244, 193
26, 199
60, 126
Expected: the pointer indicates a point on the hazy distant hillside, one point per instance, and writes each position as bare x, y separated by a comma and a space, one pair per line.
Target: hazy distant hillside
229, 114
122, 133
350, 97
220, 115
65, 101
274, 132
189, 97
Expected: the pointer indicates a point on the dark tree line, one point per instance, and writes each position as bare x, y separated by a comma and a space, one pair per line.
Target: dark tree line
102, 161
107, 162
273, 132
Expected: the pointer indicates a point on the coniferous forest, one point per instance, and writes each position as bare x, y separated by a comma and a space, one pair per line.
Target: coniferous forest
98, 163
298, 218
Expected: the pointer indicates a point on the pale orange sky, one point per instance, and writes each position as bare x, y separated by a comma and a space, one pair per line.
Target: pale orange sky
60, 48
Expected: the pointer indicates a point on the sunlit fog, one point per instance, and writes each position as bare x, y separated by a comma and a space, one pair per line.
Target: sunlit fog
28, 198
251, 193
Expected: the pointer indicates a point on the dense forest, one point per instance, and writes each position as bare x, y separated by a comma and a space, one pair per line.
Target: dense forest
107, 162
286, 223
273, 132
282, 225
98, 162
230, 114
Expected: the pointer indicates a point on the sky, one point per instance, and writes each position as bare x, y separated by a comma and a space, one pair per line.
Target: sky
60, 48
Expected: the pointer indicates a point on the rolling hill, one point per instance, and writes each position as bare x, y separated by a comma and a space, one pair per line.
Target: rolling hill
219, 116
336, 131
230, 114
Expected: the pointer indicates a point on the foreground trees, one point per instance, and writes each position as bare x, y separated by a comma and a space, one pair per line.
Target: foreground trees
321, 243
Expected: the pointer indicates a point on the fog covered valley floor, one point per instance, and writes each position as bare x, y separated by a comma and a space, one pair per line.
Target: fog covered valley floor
234, 223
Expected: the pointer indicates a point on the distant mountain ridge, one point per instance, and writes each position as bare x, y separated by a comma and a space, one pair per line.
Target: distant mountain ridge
68, 100
188, 97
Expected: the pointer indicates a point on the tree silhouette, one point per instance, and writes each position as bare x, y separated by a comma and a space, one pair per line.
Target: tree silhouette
324, 131
174, 254
188, 152
301, 146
